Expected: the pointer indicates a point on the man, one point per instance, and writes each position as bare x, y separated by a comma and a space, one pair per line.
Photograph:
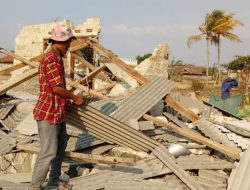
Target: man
50, 109
227, 84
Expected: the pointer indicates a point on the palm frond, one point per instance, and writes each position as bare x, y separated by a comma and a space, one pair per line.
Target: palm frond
194, 38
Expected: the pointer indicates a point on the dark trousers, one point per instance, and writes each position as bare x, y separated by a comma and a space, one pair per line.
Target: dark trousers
53, 144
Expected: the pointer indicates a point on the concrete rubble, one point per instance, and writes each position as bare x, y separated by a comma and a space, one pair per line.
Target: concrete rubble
136, 130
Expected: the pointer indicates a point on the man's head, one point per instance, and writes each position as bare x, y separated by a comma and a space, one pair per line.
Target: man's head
61, 37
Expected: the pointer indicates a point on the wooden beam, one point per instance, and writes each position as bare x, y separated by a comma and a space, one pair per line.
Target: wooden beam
18, 66
92, 75
18, 80
33, 72
229, 151
89, 158
77, 45
184, 111
12, 68
130, 71
88, 65
71, 66
83, 61
18, 57
75, 84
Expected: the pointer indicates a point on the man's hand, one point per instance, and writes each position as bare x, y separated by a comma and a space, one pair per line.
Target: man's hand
78, 100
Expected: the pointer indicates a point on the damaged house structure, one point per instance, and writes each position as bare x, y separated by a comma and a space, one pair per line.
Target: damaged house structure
136, 131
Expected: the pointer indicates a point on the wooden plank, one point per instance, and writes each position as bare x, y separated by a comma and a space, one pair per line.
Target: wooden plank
184, 111
18, 66
88, 65
12, 68
33, 72
89, 158
92, 75
18, 57
229, 151
71, 66
18, 80
77, 45
83, 61
130, 71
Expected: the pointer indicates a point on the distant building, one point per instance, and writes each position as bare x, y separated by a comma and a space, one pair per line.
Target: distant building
187, 70
130, 62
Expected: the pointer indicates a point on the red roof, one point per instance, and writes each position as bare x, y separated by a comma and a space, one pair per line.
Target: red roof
187, 70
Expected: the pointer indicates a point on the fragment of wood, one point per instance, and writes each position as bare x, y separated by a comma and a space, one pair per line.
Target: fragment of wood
18, 66
85, 157
106, 87
77, 45
184, 111
130, 71
88, 65
71, 66
18, 80
229, 151
77, 85
33, 64
92, 75
83, 61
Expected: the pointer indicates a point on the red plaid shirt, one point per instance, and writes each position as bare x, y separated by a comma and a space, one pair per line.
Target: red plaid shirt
50, 106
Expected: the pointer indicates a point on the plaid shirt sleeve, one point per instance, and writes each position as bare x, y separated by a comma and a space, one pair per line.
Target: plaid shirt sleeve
53, 74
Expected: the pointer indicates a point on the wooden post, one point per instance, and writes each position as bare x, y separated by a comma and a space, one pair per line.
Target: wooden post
71, 66
184, 111
89, 158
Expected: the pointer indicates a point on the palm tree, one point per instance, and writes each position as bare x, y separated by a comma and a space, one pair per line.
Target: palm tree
205, 33
221, 24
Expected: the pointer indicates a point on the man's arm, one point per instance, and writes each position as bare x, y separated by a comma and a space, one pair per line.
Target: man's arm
60, 91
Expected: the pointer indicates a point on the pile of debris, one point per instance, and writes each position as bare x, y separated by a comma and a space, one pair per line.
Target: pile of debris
134, 132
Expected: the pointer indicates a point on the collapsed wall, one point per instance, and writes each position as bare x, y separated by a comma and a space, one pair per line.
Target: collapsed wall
157, 64
30, 40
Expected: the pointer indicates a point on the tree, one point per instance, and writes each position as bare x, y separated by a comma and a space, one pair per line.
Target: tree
221, 24
205, 33
241, 63
142, 58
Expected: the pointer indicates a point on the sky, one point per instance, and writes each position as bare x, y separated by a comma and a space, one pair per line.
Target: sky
134, 27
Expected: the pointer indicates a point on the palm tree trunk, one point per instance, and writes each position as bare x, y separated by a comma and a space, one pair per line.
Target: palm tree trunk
219, 64
208, 57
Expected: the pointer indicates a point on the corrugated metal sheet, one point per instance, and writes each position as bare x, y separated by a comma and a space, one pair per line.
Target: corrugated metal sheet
6, 143
109, 129
191, 102
161, 153
108, 106
83, 141
12, 120
138, 103
124, 184
239, 178
148, 168
214, 133
5, 109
